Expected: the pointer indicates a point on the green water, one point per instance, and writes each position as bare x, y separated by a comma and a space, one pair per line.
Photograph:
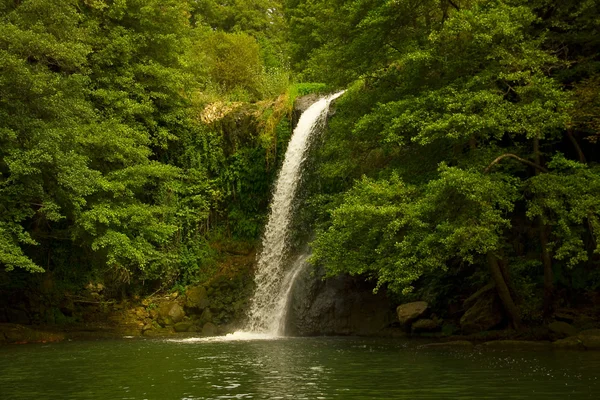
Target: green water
311, 368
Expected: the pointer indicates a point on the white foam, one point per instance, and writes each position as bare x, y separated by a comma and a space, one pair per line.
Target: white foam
239, 336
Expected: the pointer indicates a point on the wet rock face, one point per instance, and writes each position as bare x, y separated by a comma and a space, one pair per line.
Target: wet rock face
342, 305
301, 104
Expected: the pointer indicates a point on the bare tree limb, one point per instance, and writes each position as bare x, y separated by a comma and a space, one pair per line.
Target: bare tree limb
453, 4
510, 155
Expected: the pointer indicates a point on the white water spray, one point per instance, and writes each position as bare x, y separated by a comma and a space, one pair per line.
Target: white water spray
273, 280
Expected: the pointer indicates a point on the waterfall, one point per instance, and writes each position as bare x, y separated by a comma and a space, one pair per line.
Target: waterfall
273, 279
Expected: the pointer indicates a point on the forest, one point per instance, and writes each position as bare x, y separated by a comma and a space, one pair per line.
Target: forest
139, 141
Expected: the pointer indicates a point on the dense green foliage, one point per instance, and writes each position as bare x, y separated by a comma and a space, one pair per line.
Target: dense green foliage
107, 166
466, 138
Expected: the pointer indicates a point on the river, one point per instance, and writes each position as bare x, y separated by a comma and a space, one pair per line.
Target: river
290, 368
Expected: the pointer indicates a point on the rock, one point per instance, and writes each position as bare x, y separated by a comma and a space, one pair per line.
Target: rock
147, 327
562, 329
209, 329
170, 313
589, 332
141, 313
304, 102
572, 342
485, 314
409, 312
590, 342
425, 325
183, 326
196, 297
520, 344
455, 343
565, 315
341, 305
206, 316
577, 318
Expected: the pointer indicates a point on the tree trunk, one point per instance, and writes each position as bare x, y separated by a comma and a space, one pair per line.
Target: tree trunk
546, 258
548, 273
504, 292
504, 270
473, 143
580, 154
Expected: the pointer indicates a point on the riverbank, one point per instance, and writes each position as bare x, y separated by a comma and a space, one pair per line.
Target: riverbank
528, 339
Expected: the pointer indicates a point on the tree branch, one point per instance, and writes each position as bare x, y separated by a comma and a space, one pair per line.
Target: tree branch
580, 154
453, 4
510, 155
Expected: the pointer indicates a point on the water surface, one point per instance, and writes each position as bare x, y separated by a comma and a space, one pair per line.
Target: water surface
293, 368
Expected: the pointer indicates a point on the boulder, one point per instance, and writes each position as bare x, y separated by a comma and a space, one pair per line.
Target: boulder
206, 316
562, 329
590, 342
196, 298
589, 332
565, 315
183, 326
572, 342
409, 312
485, 314
426, 325
209, 329
170, 313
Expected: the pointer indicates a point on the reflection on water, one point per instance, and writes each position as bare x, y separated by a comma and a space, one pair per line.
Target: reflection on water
312, 368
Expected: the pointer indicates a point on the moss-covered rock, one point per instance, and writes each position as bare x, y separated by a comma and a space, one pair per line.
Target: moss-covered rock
170, 313
183, 326
409, 312
426, 325
196, 298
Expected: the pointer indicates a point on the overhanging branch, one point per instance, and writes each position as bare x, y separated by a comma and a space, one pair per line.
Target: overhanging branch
510, 155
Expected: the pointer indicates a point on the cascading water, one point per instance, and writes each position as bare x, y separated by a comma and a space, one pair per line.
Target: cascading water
273, 280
